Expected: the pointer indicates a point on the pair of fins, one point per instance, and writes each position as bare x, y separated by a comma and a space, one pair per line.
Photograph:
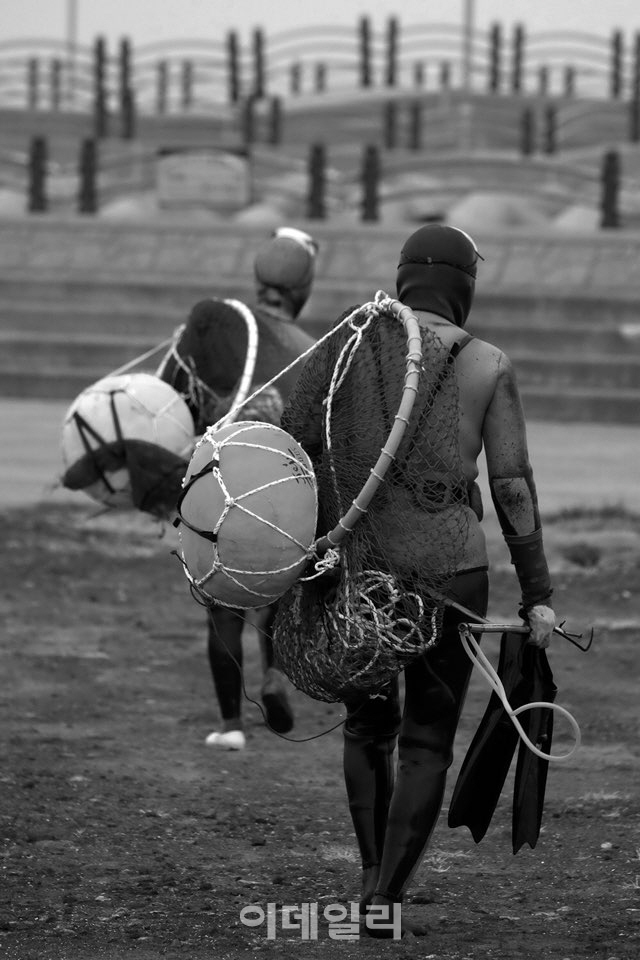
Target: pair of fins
155, 474
527, 678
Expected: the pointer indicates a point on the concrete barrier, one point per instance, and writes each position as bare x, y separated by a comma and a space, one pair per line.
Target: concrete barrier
535, 264
564, 307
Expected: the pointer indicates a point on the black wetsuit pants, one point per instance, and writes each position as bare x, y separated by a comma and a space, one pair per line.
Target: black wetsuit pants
224, 646
394, 821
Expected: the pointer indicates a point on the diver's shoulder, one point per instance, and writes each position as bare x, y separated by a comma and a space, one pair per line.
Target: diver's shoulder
487, 349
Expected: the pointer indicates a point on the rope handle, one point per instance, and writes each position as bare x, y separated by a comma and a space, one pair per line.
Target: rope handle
249, 361
303, 356
244, 383
240, 398
382, 305
490, 674
143, 356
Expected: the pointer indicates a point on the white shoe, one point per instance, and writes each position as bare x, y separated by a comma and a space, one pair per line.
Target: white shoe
231, 740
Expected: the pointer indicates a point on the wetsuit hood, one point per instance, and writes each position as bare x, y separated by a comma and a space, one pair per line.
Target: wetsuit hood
286, 264
437, 272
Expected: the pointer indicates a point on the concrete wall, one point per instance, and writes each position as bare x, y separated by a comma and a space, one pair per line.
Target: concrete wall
356, 262
80, 296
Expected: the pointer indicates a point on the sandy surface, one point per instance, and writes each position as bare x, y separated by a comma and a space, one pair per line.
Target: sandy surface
125, 838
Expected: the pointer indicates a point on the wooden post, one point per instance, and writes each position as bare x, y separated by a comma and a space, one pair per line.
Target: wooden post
550, 128
495, 58
124, 71
162, 87
610, 188
37, 189
418, 74
128, 129
275, 121
321, 77
295, 78
87, 193
392, 52
316, 198
445, 75
364, 32
370, 184
517, 67
33, 84
100, 123
634, 100
233, 66
125, 92
543, 80
259, 82
617, 53
634, 120
186, 85
569, 81
527, 132
390, 124
56, 84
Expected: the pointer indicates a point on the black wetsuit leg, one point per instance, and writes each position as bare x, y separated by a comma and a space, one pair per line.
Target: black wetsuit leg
265, 630
370, 736
224, 647
278, 712
435, 689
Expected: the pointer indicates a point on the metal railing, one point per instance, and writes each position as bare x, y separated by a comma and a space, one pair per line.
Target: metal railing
193, 75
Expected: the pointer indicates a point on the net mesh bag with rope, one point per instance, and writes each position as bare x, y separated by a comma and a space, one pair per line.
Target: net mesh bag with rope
213, 362
347, 628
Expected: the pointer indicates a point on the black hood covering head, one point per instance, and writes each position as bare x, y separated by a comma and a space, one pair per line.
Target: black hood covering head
437, 272
286, 264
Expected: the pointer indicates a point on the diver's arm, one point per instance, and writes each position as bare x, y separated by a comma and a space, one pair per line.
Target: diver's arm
513, 492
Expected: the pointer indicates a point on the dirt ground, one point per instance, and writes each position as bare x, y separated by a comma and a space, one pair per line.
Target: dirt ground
123, 835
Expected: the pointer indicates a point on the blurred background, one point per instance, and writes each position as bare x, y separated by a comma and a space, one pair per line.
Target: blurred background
148, 146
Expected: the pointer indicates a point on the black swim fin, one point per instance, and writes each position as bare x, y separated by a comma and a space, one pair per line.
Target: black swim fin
526, 677
531, 770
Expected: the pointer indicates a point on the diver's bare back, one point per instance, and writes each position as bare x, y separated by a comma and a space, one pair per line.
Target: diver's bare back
490, 407
491, 416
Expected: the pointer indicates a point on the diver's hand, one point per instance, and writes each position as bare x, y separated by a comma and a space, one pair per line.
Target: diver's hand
541, 620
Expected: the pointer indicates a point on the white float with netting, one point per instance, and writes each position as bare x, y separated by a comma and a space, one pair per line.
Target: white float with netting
109, 418
248, 514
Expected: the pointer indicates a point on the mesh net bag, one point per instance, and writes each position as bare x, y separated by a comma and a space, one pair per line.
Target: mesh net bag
225, 350
211, 360
349, 626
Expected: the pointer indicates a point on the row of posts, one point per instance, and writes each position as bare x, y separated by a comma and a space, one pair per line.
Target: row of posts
370, 179
319, 80
499, 77
498, 80
316, 199
539, 129
403, 123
